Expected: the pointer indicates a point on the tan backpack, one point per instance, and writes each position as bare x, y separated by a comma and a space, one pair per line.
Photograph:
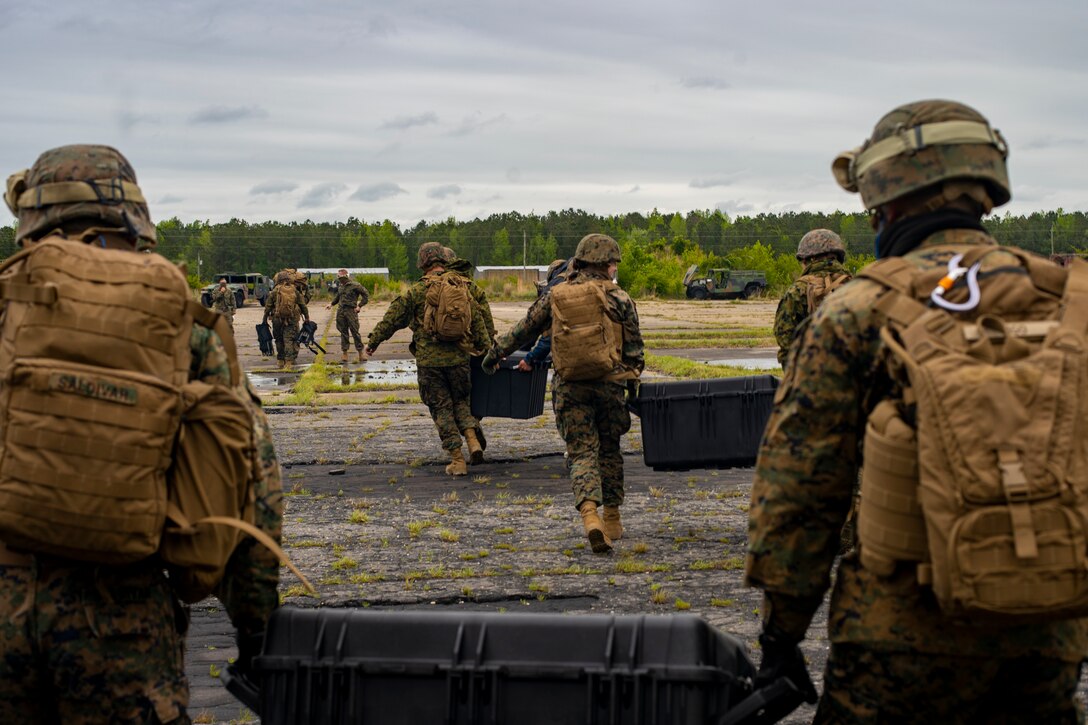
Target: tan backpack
286, 300
106, 444
820, 286
587, 344
978, 474
447, 314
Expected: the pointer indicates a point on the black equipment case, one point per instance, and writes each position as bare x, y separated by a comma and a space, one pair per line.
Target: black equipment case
264, 339
509, 393
716, 423
364, 666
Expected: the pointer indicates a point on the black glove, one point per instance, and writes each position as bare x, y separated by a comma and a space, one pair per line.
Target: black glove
239, 678
782, 658
490, 363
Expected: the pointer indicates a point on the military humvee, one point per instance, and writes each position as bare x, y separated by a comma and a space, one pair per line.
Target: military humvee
724, 284
245, 287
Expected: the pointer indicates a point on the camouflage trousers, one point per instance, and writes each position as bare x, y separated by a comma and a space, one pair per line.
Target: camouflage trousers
866, 686
347, 323
90, 644
591, 418
229, 314
284, 332
447, 392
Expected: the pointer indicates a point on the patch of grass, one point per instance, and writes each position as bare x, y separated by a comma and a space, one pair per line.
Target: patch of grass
416, 527
440, 510
358, 516
481, 479
715, 602
681, 605
541, 588
466, 591
503, 530
366, 578
213, 670
656, 491
640, 548
295, 590
634, 566
731, 564
659, 597
298, 490
450, 537
344, 563
307, 544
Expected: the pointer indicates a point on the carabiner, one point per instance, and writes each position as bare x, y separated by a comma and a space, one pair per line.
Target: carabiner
955, 271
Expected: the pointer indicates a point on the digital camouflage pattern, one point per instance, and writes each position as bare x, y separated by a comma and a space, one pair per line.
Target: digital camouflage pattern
793, 307
430, 254
597, 249
285, 328
899, 687
821, 241
106, 643
350, 296
591, 416
463, 267
909, 172
806, 473
407, 311
447, 393
107, 168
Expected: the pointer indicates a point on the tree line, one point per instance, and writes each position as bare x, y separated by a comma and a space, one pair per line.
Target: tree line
701, 236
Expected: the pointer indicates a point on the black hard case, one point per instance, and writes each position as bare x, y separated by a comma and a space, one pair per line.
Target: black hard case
509, 393
715, 423
334, 666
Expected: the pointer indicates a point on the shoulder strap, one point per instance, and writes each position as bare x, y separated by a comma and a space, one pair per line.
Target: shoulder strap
217, 322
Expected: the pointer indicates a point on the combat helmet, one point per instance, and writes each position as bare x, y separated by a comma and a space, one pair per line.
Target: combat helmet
430, 254
821, 241
597, 249
928, 144
90, 183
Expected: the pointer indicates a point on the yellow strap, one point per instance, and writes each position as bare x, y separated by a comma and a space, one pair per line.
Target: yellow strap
112, 191
944, 133
175, 515
41, 294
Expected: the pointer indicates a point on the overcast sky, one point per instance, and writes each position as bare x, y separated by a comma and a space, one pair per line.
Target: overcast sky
409, 110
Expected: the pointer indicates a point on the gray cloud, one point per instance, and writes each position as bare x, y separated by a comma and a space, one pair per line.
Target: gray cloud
227, 114
381, 27
273, 187
1047, 142
321, 195
714, 84
170, 199
513, 175
634, 189
734, 206
474, 123
709, 183
441, 192
377, 192
402, 122
127, 120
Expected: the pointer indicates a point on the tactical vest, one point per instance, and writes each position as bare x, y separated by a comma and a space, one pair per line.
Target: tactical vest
587, 344
819, 286
108, 452
978, 473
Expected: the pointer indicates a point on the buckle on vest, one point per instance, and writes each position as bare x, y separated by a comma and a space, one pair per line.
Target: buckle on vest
1013, 480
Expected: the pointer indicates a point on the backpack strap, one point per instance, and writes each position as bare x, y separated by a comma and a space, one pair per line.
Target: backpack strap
174, 514
217, 322
924, 331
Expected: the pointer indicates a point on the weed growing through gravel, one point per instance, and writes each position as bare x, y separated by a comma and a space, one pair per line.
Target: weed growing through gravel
681, 605
503, 530
715, 602
640, 548
731, 564
656, 491
481, 479
450, 537
450, 497
440, 510
298, 490
366, 578
358, 516
416, 527
659, 597
344, 563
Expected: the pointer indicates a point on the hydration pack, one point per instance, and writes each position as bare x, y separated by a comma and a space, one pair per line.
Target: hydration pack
819, 287
447, 314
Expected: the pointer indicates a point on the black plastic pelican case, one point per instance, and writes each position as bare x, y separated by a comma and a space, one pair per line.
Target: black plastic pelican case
716, 423
509, 393
332, 666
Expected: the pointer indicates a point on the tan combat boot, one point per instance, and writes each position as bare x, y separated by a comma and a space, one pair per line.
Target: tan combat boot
457, 466
475, 450
281, 364
613, 529
598, 540
344, 357
361, 360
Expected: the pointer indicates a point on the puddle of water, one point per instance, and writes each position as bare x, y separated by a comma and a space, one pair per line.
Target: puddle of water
378, 371
752, 363
278, 380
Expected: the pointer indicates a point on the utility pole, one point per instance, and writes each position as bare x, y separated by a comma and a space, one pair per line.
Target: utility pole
523, 248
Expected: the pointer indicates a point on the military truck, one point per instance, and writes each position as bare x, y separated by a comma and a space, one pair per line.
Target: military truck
250, 286
724, 284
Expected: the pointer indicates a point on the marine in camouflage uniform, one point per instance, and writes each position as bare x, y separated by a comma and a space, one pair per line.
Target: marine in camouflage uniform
285, 327
442, 368
350, 298
223, 301
894, 656
821, 252
591, 415
92, 643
